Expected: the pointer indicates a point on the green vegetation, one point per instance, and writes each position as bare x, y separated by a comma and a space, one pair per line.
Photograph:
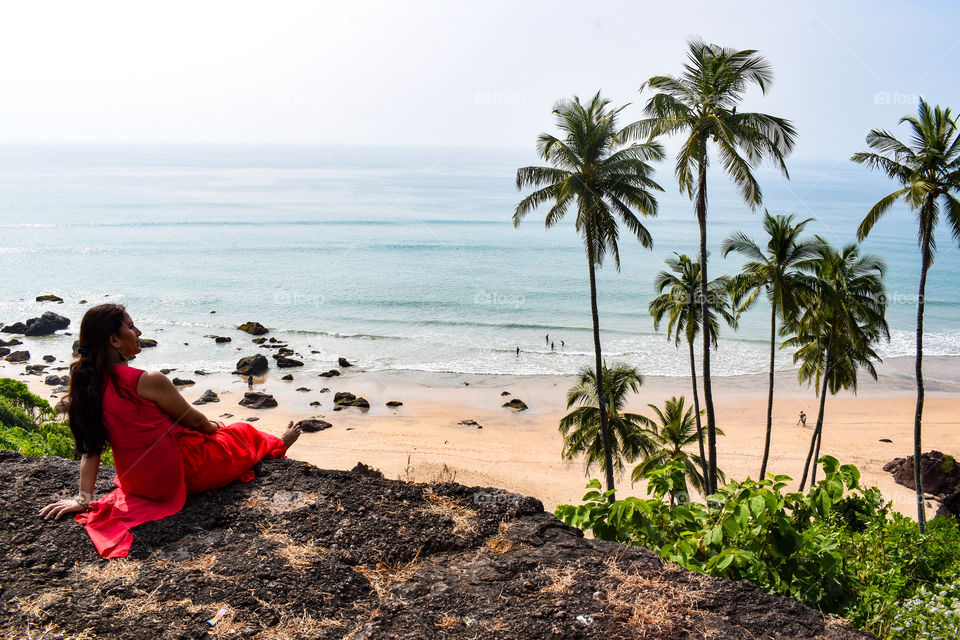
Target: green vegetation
605, 178
837, 547
928, 170
30, 426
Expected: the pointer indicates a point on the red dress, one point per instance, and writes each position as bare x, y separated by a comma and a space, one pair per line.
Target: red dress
159, 462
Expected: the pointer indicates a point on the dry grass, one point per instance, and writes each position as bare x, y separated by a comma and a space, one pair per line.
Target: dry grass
561, 580
651, 605
42, 601
499, 543
448, 622
99, 574
298, 556
47, 632
383, 575
463, 518
302, 626
281, 501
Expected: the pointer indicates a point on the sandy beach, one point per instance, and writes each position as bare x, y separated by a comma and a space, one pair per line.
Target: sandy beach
520, 451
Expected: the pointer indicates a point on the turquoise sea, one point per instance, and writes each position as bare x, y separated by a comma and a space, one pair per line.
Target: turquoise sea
399, 258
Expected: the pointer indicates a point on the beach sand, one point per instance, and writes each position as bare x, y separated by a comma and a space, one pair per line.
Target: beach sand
421, 441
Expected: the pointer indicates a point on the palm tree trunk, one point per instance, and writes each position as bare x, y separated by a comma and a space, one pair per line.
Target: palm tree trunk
696, 409
701, 208
816, 456
773, 342
816, 432
601, 401
918, 416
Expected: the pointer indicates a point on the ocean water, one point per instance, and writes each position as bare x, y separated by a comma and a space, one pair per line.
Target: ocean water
399, 258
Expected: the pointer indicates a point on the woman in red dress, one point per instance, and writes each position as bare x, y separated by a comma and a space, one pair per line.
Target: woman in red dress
163, 448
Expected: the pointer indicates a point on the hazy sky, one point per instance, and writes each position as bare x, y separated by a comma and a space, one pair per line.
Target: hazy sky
445, 73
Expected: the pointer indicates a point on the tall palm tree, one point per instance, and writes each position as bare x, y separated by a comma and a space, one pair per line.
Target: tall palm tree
680, 303
701, 104
671, 433
843, 318
605, 178
581, 428
776, 272
928, 170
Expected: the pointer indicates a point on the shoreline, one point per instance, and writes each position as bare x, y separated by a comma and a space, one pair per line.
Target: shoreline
520, 451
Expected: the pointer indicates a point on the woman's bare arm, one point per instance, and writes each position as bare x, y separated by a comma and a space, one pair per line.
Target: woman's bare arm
89, 465
157, 387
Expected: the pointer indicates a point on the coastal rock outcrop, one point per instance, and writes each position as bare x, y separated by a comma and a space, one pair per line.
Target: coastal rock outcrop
330, 374
343, 362
253, 365
54, 380
147, 343
16, 327
253, 328
46, 324
940, 473
394, 403
258, 400
18, 356
208, 396
4, 351
182, 382
516, 403
285, 363
347, 399
12, 342
312, 425
302, 552
50, 298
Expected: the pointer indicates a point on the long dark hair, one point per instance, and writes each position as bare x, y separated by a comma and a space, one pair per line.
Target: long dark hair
89, 374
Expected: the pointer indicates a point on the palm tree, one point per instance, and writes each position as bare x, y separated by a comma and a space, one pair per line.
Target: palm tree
843, 318
581, 428
701, 104
606, 179
928, 170
775, 272
672, 432
680, 303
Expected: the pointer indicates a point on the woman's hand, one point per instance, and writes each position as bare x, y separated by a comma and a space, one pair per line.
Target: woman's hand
58, 509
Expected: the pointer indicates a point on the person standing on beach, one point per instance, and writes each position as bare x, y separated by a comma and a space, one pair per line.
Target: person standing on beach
547, 338
551, 347
803, 419
518, 352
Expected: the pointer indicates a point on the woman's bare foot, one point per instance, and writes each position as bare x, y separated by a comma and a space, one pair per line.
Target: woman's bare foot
290, 434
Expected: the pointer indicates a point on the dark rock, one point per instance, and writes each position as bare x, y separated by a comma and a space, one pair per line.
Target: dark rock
61, 407
18, 356
252, 419
208, 396
394, 403
347, 399
35, 369
304, 389
315, 403
46, 324
516, 403
182, 382
470, 423
83, 302
273, 340
284, 351
50, 298
12, 342
259, 340
940, 473
147, 343
258, 400
48, 358
253, 365
201, 372
330, 374
289, 376
285, 363
367, 471
312, 425
504, 393
885, 440
253, 328
54, 380
226, 415
4, 351
166, 371
343, 362
222, 339
325, 390
16, 327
